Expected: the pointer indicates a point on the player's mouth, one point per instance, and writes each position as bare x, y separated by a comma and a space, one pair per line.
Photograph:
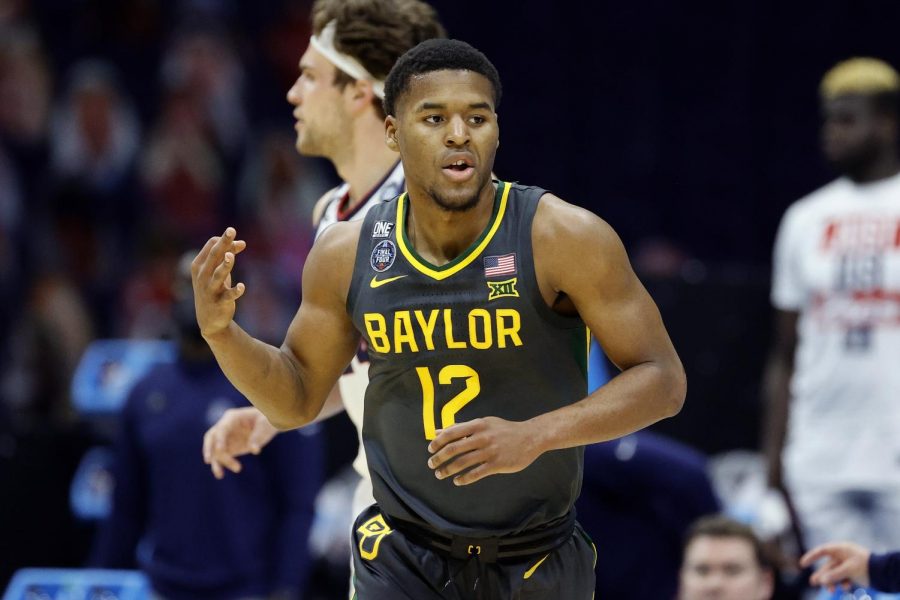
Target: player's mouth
459, 168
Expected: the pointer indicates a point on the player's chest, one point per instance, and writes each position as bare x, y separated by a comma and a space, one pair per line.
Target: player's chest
851, 251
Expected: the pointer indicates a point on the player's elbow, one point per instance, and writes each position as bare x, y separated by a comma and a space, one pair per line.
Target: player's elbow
674, 386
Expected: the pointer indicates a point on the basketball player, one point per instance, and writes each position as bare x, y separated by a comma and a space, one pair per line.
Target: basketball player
337, 105
474, 299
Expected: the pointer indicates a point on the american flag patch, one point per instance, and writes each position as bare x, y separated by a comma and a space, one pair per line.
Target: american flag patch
496, 266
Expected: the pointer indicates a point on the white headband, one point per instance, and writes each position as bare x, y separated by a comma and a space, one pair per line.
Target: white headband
324, 43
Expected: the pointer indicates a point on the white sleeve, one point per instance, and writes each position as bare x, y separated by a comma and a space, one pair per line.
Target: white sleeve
788, 289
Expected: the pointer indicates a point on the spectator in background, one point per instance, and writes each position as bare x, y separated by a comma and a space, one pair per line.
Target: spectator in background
183, 171
25, 93
724, 560
832, 379
202, 64
95, 199
648, 490
277, 192
196, 537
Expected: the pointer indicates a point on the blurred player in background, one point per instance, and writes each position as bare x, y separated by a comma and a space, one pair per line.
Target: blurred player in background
195, 537
337, 106
832, 380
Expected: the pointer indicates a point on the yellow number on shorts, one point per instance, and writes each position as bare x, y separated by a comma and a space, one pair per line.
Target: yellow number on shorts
372, 531
448, 412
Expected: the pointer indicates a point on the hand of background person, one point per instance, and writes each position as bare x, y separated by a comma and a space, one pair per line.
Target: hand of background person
845, 562
491, 445
238, 431
215, 299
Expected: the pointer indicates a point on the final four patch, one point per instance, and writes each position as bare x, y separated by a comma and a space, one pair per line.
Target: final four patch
501, 289
383, 256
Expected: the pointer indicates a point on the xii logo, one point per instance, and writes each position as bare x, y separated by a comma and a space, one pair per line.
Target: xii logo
501, 289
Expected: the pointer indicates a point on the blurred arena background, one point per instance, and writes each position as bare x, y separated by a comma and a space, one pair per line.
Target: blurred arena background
131, 131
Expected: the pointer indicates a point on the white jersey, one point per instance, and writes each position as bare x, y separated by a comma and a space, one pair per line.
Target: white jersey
354, 381
837, 263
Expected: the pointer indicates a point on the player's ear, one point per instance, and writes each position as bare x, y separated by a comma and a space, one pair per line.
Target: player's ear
361, 93
390, 133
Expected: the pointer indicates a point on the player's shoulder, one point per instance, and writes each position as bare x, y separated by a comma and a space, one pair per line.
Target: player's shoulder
322, 204
832, 194
330, 262
338, 236
558, 221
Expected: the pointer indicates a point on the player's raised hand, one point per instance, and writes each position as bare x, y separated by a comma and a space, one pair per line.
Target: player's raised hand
214, 296
476, 449
845, 563
238, 431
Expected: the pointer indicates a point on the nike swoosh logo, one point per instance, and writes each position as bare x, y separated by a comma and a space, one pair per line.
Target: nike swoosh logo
531, 571
376, 283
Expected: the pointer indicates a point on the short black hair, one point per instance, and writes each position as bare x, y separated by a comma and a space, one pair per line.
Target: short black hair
437, 55
720, 526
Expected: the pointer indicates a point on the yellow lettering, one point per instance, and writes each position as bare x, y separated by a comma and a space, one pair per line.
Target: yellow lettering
403, 332
376, 327
427, 326
485, 317
510, 331
448, 331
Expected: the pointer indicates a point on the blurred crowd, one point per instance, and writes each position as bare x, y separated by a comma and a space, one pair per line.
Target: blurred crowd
129, 133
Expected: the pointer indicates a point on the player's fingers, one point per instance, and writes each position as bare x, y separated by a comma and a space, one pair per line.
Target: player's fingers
451, 434
460, 464
832, 574
230, 463
451, 451
233, 293
816, 553
238, 246
219, 277
198, 261
476, 474
207, 446
221, 246
218, 473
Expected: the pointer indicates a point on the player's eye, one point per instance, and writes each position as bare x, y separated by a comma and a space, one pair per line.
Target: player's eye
477, 119
434, 119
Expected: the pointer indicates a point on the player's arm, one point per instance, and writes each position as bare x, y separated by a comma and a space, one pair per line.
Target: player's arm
288, 384
579, 257
321, 206
776, 391
246, 430
581, 263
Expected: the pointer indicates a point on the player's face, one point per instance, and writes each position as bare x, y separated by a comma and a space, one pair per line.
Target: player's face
321, 122
723, 568
850, 132
447, 134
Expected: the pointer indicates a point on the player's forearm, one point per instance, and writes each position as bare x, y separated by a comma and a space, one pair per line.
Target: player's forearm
634, 399
266, 375
776, 393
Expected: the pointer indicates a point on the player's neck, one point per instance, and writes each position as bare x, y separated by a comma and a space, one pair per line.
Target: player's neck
439, 235
366, 159
885, 165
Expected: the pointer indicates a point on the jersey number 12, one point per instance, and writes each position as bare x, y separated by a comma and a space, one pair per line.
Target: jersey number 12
455, 404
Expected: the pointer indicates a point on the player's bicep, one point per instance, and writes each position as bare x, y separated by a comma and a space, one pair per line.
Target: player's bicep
321, 338
619, 310
606, 292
